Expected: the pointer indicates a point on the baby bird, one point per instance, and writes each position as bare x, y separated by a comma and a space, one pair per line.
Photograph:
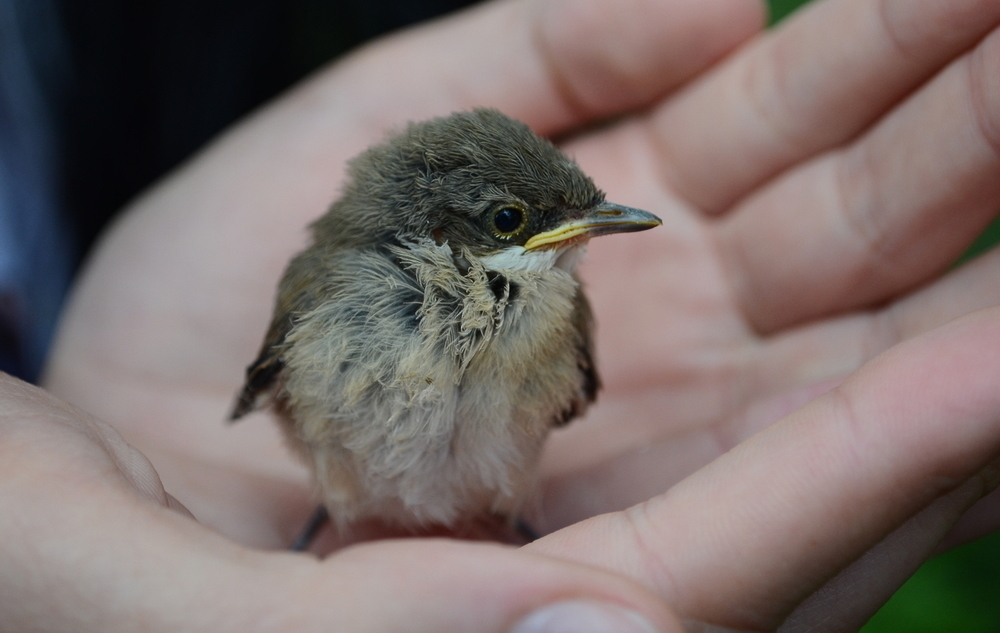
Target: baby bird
425, 344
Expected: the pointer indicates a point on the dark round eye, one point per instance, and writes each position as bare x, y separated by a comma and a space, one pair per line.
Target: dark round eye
508, 220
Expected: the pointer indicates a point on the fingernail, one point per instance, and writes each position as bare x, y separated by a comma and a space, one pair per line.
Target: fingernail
578, 616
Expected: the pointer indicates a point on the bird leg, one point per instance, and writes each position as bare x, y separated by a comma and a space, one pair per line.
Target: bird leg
317, 520
496, 528
525, 531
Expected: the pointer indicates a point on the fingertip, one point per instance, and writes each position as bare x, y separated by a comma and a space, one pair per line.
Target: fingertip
583, 616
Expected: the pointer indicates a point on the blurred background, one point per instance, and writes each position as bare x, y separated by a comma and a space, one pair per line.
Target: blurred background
100, 98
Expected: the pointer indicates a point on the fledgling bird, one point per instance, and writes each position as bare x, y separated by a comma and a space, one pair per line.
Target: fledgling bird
434, 332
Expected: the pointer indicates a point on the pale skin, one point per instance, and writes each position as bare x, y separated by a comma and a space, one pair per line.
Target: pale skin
797, 307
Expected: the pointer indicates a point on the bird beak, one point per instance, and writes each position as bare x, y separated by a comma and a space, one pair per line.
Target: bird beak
601, 219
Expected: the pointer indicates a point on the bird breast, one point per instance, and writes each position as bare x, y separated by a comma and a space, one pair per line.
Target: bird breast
427, 383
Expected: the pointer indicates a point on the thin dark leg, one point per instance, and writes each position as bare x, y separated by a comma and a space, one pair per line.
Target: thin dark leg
526, 532
319, 518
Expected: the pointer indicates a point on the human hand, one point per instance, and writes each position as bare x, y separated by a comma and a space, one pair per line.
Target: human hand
754, 298
92, 542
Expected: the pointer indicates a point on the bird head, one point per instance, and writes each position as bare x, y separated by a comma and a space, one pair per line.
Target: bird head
480, 181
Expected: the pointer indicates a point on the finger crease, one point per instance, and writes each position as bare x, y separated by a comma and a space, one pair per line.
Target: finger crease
666, 171
769, 102
888, 26
847, 417
562, 85
740, 285
656, 568
984, 116
857, 206
883, 332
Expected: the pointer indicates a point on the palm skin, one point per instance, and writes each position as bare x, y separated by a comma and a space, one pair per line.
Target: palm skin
755, 297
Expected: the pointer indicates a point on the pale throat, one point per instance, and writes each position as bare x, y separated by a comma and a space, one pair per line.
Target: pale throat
516, 258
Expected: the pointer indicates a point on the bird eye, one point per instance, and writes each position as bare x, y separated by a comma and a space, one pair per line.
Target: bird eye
508, 221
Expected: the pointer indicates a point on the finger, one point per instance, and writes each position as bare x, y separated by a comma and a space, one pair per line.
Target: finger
971, 287
421, 585
856, 593
743, 540
789, 362
859, 226
555, 64
836, 347
29, 414
598, 474
588, 473
815, 83
794, 363
606, 58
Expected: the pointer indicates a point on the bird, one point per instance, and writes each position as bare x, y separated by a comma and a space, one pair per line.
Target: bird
434, 332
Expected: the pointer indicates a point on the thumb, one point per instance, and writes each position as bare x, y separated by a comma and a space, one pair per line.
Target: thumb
437, 585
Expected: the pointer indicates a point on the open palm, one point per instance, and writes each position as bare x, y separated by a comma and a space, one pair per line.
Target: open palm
815, 186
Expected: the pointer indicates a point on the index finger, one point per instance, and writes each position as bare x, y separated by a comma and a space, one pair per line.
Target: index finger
814, 83
745, 539
556, 65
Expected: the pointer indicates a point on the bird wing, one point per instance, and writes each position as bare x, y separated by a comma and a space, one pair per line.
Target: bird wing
293, 299
590, 381
585, 360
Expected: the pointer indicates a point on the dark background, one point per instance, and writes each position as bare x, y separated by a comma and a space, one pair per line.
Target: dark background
150, 82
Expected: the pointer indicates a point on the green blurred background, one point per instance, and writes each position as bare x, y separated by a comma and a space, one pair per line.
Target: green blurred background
958, 592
